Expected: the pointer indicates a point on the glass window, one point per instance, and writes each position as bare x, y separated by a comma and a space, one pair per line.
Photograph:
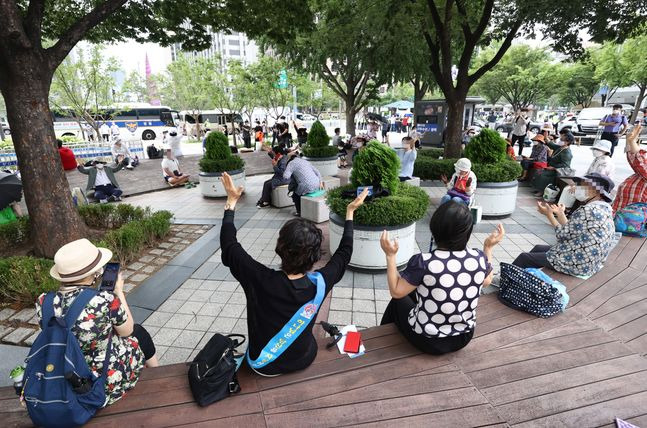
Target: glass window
149, 113
126, 115
234, 52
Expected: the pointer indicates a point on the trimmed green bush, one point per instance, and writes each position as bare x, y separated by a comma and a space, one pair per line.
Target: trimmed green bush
433, 153
376, 165
428, 168
487, 147
109, 216
14, 233
23, 279
501, 172
318, 145
406, 205
217, 156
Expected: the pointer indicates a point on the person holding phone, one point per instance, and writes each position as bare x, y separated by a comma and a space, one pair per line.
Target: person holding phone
79, 265
615, 125
274, 296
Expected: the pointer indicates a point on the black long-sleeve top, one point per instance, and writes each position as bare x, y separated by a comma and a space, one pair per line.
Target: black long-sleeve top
272, 298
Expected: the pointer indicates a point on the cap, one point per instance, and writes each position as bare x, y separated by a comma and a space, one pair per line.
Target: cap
539, 137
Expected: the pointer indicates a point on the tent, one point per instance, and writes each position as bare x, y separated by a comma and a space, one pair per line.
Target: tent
400, 105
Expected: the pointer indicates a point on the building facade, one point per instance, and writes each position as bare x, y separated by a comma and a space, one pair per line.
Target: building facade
226, 46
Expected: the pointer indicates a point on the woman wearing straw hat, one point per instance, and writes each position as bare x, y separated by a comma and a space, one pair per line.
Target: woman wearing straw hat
79, 265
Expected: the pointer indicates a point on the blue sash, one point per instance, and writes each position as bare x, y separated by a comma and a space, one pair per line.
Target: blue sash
297, 324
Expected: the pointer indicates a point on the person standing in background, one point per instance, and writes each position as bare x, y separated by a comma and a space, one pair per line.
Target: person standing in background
520, 128
615, 125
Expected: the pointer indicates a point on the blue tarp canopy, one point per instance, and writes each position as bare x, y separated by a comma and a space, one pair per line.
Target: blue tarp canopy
402, 104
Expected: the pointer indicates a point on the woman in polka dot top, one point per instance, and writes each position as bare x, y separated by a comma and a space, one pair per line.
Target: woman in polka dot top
435, 297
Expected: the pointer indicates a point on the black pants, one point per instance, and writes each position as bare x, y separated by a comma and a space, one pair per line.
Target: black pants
145, 341
611, 136
266, 195
397, 312
536, 258
518, 139
297, 202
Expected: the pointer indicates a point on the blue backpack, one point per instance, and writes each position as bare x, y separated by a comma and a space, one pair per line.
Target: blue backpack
60, 390
632, 220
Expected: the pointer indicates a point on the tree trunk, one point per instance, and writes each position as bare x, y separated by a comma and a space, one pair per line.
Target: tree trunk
639, 100
454, 128
54, 219
350, 120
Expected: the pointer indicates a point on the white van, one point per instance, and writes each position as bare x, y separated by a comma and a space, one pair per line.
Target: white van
588, 120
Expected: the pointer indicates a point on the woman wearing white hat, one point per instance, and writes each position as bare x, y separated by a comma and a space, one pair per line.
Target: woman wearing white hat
462, 185
79, 266
602, 162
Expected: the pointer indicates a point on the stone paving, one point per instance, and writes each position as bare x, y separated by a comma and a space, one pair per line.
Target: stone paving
211, 300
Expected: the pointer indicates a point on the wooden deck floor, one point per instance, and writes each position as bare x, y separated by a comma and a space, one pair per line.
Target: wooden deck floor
581, 368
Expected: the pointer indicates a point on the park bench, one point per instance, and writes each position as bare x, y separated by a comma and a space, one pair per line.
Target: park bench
581, 368
280, 198
314, 207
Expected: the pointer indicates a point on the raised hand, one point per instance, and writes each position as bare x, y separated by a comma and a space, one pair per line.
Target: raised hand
632, 137
543, 208
443, 178
233, 193
495, 237
390, 247
359, 200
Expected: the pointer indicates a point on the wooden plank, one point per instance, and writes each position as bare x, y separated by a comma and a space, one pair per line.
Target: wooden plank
7, 392
188, 413
564, 379
629, 251
639, 344
164, 371
371, 344
510, 355
477, 416
617, 250
633, 329
390, 389
620, 301
639, 259
441, 369
549, 364
374, 411
573, 398
333, 384
594, 415
253, 420
579, 326
324, 310
507, 321
16, 420
593, 283
328, 368
602, 294
622, 316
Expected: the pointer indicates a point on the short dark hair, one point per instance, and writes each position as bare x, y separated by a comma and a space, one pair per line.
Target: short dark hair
451, 226
337, 130
407, 139
299, 246
617, 106
59, 143
570, 138
564, 131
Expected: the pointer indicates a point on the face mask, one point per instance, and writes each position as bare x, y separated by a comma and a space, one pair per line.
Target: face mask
581, 194
99, 166
616, 111
597, 153
561, 143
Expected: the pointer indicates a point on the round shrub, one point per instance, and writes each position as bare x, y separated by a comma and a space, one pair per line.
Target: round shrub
217, 156
501, 172
407, 205
376, 165
318, 145
428, 168
487, 147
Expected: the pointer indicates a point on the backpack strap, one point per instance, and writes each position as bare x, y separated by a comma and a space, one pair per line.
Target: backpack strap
78, 305
47, 309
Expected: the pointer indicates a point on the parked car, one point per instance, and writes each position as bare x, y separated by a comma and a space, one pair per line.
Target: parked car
506, 126
305, 117
567, 123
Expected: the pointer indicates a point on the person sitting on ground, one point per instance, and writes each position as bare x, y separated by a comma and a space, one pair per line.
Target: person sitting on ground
279, 163
583, 241
462, 185
121, 154
171, 170
602, 162
79, 265
434, 299
538, 157
560, 158
101, 179
407, 158
275, 296
634, 188
305, 179
67, 156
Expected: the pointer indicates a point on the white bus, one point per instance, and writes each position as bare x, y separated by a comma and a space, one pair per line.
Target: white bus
141, 121
212, 119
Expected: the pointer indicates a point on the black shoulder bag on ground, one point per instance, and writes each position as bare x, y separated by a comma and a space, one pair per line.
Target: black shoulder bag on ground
212, 374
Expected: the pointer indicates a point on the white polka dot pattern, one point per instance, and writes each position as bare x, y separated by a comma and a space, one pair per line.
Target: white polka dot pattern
448, 290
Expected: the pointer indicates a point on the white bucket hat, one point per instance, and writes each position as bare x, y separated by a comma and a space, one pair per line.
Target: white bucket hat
602, 145
463, 164
77, 260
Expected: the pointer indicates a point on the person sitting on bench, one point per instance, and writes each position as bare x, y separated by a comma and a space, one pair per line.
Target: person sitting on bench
434, 299
275, 296
583, 241
79, 265
462, 185
279, 162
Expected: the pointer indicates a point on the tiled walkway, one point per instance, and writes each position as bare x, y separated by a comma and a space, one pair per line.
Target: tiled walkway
212, 301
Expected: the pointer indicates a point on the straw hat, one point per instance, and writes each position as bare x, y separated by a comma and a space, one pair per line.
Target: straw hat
77, 260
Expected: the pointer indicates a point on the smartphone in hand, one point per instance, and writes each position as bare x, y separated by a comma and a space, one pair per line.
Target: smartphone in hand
110, 275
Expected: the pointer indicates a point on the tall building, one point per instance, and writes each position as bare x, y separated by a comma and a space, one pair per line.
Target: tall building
233, 46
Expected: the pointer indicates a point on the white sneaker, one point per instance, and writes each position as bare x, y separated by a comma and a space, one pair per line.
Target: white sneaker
103, 201
129, 167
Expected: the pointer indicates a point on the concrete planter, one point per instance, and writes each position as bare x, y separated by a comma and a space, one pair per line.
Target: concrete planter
367, 253
325, 166
497, 199
211, 182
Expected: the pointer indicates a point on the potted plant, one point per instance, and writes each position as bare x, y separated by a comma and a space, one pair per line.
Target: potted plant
216, 160
496, 190
378, 165
319, 152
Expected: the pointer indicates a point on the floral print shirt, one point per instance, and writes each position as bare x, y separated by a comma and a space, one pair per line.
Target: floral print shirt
92, 329
584, 243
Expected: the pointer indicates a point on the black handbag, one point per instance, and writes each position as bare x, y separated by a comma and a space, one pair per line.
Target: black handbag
212, 374
524, 291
